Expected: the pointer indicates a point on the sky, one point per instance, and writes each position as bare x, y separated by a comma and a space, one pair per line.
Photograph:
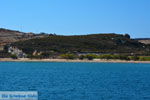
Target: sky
77, 17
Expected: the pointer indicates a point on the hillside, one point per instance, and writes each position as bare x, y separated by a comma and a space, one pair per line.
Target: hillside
101, 43
8, 36
144, 40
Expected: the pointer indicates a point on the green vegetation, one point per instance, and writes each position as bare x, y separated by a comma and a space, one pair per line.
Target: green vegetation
68, 56
144, 58
14, 57
95, 46
42, 55
103, 43
108, 56
81, 57
4, 54
35, 56
135, 58
91, 56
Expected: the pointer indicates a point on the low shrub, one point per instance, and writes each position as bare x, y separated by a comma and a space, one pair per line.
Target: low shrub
81, 57
68, 56
91, 56
144, 58
135, 58
108, 56
14, 56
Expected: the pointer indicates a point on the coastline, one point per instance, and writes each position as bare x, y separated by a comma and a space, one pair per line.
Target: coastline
68, 60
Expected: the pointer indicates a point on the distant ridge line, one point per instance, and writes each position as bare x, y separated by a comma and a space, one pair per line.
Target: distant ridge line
142, 38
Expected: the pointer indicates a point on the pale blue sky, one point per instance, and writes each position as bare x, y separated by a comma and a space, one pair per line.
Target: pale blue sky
72, 17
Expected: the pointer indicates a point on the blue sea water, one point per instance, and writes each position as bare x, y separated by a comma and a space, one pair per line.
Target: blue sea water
78, 81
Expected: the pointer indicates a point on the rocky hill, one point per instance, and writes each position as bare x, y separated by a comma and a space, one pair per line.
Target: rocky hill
144, 40
8, 36
100, 43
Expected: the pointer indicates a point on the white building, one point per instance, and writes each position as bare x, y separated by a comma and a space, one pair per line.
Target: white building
15, 51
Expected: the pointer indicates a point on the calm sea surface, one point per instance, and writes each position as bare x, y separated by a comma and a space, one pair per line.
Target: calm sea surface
77, 81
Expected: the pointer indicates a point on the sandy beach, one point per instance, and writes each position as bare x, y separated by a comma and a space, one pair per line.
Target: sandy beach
66, 60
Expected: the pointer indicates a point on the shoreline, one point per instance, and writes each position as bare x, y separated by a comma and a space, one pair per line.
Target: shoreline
68, 60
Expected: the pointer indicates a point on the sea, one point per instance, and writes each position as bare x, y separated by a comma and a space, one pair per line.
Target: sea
78, 81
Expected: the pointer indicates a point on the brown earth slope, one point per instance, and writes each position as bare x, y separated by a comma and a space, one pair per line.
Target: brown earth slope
8, 36
145, 41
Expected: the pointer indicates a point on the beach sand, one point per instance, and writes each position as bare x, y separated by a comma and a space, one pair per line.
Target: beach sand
68, 60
